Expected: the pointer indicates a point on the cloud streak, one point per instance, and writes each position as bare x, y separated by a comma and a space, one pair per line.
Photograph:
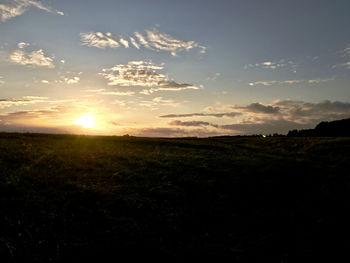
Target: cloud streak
217, 115
160, 41
98, 40
156, 102
192, 123
152, 40
289, 82
142, 74
5, 103
274, 65
13, 8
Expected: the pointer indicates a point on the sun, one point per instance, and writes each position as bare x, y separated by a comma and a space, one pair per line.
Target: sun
86, 121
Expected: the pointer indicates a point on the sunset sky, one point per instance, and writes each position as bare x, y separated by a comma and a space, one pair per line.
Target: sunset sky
173, 68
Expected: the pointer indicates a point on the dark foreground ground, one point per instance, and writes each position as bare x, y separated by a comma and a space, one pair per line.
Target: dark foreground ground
65, 198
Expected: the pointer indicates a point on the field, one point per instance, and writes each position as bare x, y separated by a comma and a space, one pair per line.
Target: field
243, 199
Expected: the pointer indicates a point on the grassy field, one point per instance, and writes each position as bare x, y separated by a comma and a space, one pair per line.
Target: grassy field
243, 199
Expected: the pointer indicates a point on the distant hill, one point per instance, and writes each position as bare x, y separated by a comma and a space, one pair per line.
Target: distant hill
339, 128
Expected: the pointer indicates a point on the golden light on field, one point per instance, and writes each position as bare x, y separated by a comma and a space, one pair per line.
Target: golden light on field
86, 121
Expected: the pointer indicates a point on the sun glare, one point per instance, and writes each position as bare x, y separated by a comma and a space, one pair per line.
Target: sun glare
86, 121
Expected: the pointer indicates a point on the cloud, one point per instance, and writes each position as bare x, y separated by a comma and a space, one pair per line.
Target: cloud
94, 90
118, 93
259, 108
133, 41
279, 126
289, 82
172, 132
317, 81
142, 40
1, 81
5, 103
191, 123
34, 58
45, 81
218, 115
295, 111
13, 8
305, 112
273, 82
165, 42
279, 116
69, 77
22, 45
346, 51
142, 74
23, 120
214, 77
273, 65
124, 42
158, 101
73, 80
98, 40
153, 40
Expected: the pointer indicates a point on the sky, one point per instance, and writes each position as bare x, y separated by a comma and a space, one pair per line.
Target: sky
166, 68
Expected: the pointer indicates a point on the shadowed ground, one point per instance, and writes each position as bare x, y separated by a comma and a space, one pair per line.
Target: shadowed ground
244, 199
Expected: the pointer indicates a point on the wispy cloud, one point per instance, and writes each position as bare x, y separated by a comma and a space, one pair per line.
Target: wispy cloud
201, 114
192, 123
22, 117
173, 132
98, 40
165, 42
152, 39
1, 81
13, 8
124, 42
133, 41
142, 40
142, 74
289, 82
347, 65
346, 53
9, 102
214, 77
118, 93
344, 56
34, 58
156, 102
274, 65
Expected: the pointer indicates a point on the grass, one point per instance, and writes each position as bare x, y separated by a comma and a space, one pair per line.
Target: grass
243, 199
